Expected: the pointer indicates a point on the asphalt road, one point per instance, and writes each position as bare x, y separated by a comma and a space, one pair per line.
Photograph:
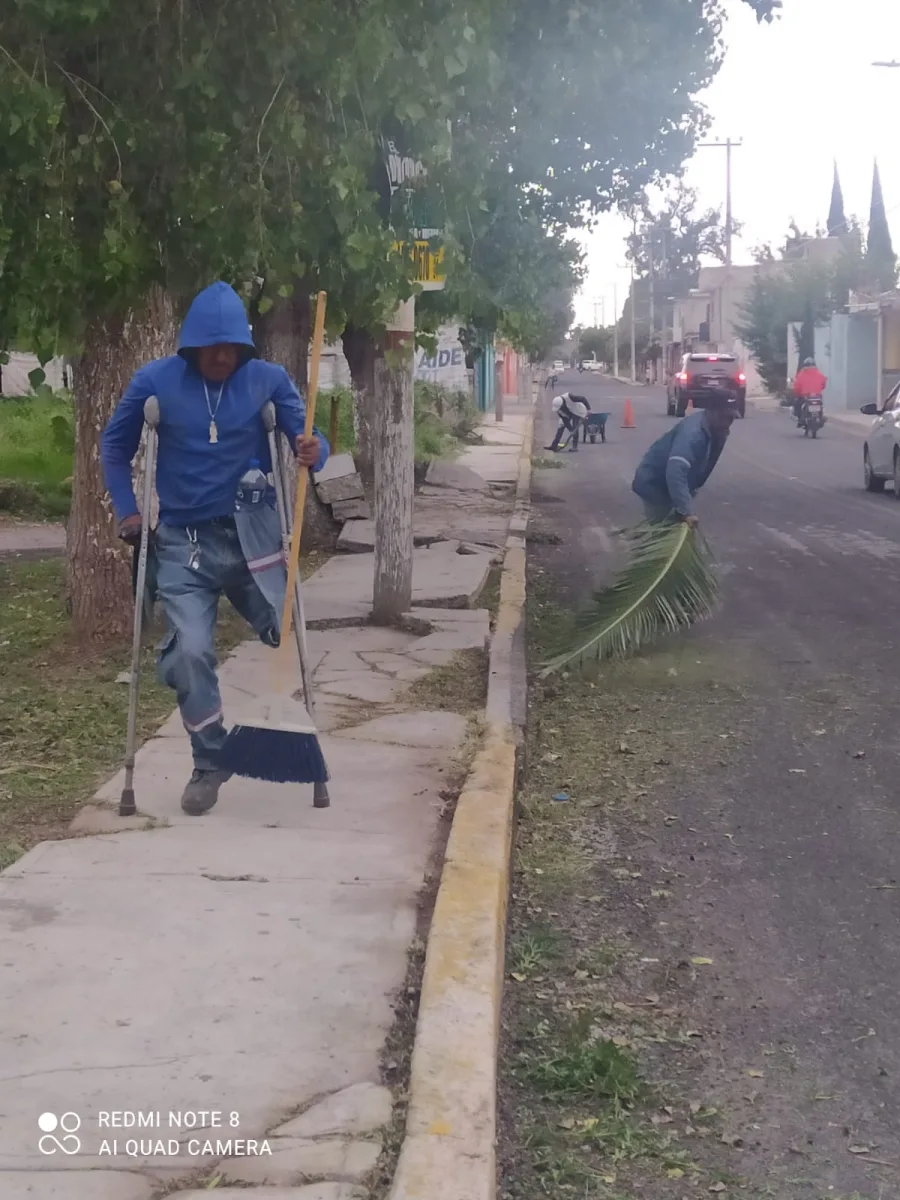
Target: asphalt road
801, 828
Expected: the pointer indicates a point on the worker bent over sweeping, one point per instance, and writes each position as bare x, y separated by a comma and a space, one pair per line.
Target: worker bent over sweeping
218, 531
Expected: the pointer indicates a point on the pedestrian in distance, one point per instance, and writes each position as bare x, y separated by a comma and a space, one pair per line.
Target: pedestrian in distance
679, 463
218, 531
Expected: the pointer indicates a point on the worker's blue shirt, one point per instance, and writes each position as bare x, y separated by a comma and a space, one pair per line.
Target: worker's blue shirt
196, 480
678, 464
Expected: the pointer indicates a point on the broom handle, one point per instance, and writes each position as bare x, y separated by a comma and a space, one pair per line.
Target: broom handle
302, 482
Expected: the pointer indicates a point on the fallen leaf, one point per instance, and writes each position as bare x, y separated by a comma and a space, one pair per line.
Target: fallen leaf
859, 754
660, 893
620, 1041
860, 1149
702, 962
567, 1123
754, 1074
797, 771
624, 748
693, 1033
717, 1187
675, 1173
695, 1107
518, 977
551, 757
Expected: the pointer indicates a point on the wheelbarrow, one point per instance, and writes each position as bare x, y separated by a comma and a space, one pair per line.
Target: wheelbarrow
594, 425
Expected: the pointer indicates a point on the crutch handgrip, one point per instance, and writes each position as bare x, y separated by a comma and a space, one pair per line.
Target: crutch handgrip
151, 411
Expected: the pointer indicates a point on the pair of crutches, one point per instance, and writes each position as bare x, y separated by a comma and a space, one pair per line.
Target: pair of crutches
127, 806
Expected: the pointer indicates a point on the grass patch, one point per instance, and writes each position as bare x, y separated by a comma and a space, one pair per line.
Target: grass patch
586, 1067
460, 686
541, 463
37, 440
62, 711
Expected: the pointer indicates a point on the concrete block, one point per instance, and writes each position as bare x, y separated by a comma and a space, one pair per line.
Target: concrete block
442, 474
292, 1162
345, 487
351, 510
360, 1108
338, 467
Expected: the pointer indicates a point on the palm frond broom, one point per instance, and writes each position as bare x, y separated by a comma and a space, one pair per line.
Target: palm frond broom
669, 583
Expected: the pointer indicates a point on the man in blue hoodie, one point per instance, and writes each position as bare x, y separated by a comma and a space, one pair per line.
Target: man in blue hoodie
210, 435
677, 465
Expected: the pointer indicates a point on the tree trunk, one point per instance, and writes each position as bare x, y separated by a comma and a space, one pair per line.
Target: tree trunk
99, 571
394, 479
360, 352
282, 336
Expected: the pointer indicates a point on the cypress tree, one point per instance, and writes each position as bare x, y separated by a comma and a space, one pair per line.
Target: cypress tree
881, 261
837, 222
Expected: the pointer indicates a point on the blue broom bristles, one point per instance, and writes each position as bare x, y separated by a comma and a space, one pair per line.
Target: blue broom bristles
275, 755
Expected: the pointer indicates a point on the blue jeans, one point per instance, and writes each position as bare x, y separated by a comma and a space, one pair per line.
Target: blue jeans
196, 566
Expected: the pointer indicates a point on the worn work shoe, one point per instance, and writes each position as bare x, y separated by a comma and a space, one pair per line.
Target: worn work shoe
202, 791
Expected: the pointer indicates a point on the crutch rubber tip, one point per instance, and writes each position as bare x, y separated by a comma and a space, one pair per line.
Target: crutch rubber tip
127, 806
321, 799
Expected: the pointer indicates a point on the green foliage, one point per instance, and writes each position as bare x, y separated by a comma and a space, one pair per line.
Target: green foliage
673, 241
881, 261
444, 419
170, 144
795, 290
37, 439
597, 341
669, 583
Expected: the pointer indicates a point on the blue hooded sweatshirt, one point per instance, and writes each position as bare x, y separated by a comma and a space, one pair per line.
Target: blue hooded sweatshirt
196, 480
678, 464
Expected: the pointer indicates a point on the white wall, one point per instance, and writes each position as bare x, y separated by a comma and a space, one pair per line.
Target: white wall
15, 374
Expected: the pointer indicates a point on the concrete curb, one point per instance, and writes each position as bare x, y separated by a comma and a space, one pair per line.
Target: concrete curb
449, 1147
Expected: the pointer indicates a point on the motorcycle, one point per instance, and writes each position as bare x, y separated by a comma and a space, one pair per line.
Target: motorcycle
812, 416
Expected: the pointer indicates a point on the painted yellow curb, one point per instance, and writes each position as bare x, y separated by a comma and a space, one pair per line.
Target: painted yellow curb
449, 1149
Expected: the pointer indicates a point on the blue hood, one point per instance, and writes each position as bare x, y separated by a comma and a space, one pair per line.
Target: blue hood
217, 316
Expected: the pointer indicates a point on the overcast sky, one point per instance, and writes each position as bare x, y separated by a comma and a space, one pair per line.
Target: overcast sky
800, 93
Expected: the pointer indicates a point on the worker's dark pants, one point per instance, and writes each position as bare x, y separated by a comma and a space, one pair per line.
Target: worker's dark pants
570, 424
196, 567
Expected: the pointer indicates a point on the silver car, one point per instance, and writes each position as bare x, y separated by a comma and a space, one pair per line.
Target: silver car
881, 452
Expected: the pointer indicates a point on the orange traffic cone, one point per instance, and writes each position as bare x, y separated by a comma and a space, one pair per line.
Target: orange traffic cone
690, 408
628, 417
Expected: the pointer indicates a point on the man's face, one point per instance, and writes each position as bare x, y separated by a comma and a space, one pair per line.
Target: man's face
721, 420
216, 363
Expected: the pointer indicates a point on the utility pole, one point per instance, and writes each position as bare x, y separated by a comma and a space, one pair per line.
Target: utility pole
652, 337
728, 145
665, 321
631, 301
615, 332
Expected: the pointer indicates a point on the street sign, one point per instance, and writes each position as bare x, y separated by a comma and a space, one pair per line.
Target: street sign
416, 207
427, 261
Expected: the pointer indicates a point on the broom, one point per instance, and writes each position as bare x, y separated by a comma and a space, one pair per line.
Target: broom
279, 742
669, 583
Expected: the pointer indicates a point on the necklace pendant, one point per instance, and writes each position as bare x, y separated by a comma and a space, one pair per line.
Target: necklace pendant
213, 433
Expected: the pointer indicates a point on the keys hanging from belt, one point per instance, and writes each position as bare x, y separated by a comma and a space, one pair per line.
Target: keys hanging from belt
194, 553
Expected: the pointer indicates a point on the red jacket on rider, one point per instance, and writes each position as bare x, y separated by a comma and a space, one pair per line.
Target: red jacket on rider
809, 382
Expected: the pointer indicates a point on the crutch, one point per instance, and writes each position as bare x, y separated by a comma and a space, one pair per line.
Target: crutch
127, 806
321, 798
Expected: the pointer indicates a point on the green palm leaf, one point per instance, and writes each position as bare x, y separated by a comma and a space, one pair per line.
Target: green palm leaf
669, 583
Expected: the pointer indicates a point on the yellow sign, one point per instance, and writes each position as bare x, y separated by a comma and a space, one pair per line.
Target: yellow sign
427, 264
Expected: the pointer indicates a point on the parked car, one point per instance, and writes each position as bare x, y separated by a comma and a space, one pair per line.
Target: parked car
703, 376
881, 450
559, 365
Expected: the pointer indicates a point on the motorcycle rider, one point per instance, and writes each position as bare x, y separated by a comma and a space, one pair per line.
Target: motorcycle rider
809, 382
571, 411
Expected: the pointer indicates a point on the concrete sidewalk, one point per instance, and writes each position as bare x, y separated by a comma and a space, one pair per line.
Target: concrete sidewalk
210, 997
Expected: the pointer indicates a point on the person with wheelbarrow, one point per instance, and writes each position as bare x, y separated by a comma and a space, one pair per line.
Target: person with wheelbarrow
572, 411
218, 531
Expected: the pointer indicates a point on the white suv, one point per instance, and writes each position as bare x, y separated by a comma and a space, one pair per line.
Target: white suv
881, 452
